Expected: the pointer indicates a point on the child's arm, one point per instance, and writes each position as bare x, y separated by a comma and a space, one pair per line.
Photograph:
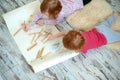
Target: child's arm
49, 21
53, 21
36, 18
60, 34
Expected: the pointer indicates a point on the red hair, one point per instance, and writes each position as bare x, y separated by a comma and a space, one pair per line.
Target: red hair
53, 7
73, 40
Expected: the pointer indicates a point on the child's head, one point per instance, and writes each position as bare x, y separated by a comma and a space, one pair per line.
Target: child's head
73, 40
51, 8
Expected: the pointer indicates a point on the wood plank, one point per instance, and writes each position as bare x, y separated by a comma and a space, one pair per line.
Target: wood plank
20, 73
7, 58
3, 67
2, 77
9, 75
6, 6
1, 10
98, 64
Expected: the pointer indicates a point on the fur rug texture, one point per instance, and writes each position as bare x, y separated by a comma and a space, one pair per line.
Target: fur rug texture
91, 15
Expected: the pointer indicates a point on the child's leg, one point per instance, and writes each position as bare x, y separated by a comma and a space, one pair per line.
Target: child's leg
111, 35
108, 22
104, 28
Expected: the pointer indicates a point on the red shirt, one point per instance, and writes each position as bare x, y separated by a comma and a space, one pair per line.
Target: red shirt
93, 39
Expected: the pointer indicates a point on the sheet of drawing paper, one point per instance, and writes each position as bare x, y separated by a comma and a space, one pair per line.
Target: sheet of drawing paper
53, 51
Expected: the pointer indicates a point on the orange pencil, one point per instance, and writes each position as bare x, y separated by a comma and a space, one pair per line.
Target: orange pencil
32, 46
17, 31
40, 52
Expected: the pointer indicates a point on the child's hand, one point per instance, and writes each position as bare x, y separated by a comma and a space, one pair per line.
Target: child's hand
24, 27
40, 22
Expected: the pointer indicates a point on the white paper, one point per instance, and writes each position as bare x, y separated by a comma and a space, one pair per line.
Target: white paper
53, 52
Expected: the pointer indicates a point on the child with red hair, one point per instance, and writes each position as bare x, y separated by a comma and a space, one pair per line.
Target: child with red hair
54, 11
101, 35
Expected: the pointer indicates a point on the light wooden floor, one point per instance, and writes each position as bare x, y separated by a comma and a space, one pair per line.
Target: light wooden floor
97, 64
